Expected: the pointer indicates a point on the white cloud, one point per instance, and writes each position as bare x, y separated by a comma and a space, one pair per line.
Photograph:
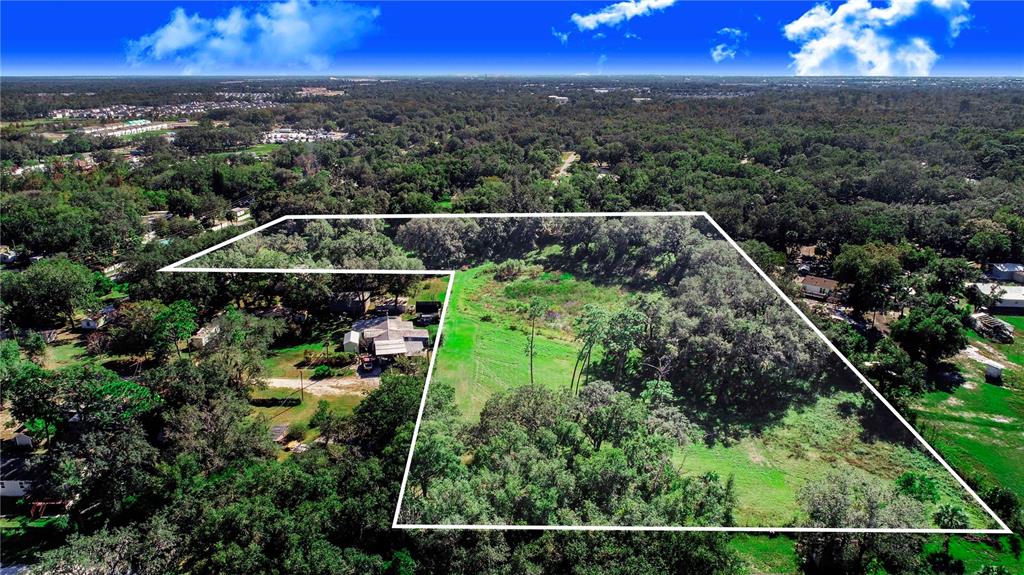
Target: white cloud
619, 12
599, 36
730, 45
722, 52
855, 38
630, 36
732, 33
563, 37
290, 34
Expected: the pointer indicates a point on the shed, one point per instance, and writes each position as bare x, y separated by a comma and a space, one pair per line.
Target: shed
93, 322
351, 343
428, 307
203, 336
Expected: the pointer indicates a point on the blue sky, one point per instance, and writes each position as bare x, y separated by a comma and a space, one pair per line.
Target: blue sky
855, 37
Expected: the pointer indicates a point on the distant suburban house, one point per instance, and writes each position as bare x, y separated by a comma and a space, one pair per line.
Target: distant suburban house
1007, 272
15, 478
1010, 297
352, 303
818, 287
203, 336
97, 320
390, 336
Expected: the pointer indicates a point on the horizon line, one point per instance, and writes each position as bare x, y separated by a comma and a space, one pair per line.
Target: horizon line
576, 75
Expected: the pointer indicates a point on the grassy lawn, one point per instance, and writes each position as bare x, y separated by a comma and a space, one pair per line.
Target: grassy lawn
144, 135
302, 412
485, 334
762, 554
65, 354
258, 149
765, 553
285, 361
432, 289
770, 469
976, 554
979, 427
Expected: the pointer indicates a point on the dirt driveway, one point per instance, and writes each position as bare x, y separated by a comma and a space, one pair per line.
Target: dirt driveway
348, 385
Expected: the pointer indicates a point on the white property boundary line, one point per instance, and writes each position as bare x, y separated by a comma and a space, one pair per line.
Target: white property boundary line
178, 267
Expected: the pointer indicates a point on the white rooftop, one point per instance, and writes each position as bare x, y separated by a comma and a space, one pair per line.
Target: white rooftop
1010, 292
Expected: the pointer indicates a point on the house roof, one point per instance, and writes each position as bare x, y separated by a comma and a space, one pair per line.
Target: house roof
352, 337
14, 468
819, 282
389, 346
390, 327
1010, 292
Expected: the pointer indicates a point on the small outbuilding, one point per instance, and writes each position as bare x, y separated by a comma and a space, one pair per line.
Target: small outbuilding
94, 321
428, 307
203, 336
351, 342
352, 303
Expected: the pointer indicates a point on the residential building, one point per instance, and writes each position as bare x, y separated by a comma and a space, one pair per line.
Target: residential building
352, 303
1007, 272
203, 336
1010, 297
390, 336
818, 287
15, 478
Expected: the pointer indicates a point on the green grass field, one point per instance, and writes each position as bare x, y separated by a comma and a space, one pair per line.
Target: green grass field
485, 336
285, 362
763, 554
302, 412
979, 427
769, 469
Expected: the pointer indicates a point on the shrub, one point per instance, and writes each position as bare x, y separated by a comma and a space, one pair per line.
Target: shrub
920, 487
323, 412
508, 270
322, 371
296, 431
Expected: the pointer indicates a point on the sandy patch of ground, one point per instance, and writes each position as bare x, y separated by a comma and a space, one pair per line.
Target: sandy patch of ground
329, 386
